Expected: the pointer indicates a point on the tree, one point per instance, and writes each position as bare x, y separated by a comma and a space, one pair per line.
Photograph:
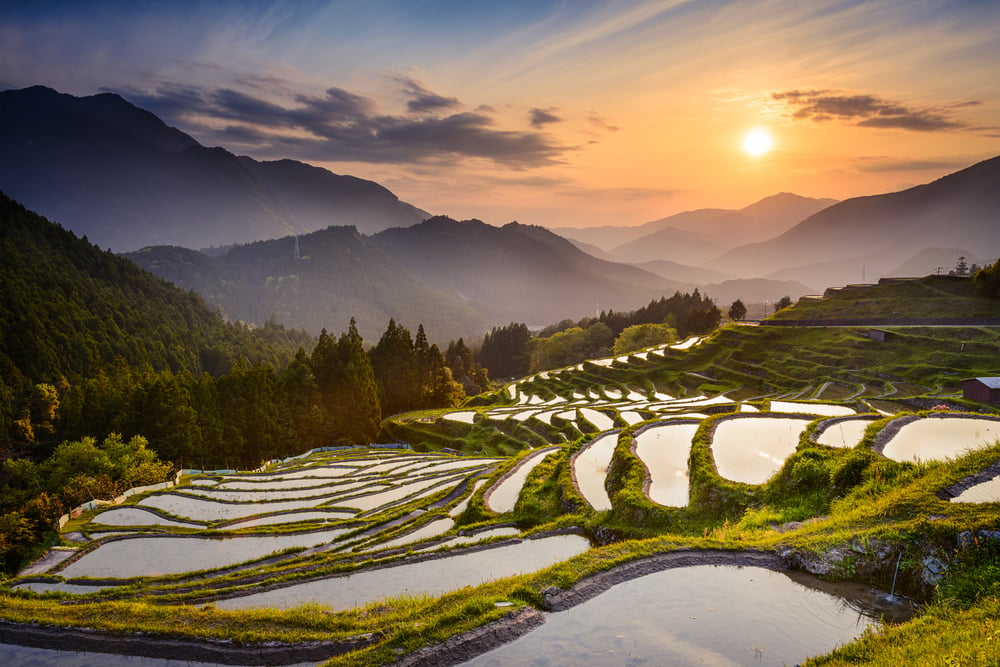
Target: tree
783, 302
639, 336
987, 280
737, 311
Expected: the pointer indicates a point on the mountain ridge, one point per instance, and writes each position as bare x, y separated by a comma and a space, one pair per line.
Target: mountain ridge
120, 176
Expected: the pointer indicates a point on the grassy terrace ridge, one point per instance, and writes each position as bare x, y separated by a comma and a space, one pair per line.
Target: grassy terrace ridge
849, 513
930, 296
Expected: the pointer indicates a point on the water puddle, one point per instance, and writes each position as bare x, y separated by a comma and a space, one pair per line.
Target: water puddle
502, 497
375, 500
431, 577
136, 516
590, 469
459, 508
209, 510
598, 419
507, 531
702, 615
664, 450
984, 492
822, 409
751, 449
154, 556
430, 529
936, 439
847, 433
287, 517
465, 416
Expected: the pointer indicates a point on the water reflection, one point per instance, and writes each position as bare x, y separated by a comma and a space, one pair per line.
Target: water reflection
702, 615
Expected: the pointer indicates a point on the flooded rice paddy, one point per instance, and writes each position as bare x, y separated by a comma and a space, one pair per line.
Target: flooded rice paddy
431, 577
157, 556
590, 470
502, 497
664, 450
701, 615
937, 439
751, 449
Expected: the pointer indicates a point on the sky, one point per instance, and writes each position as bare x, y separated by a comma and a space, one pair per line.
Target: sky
558, 113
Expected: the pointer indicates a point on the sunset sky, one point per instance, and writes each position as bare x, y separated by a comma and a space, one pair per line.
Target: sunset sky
571, 113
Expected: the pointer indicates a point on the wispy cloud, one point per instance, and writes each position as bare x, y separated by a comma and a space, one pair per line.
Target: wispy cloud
342, 125
866, 110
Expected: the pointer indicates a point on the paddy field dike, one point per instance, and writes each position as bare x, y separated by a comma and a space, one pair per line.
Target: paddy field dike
774, 481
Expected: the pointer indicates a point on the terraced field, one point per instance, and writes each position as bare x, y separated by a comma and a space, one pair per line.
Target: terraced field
553, 478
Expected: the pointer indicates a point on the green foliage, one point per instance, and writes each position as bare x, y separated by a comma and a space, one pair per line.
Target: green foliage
737, 311
639, 336
974, 575
987, 281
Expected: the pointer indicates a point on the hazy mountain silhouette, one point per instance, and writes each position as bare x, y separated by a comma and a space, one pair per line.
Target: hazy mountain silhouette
867, 237
518, 272
339, 274
457, 278
934, 260
116, 173
699, 230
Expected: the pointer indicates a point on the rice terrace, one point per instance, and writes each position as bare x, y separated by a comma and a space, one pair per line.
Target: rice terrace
709, 499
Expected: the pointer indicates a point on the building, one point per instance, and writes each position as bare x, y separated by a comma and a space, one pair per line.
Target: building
982, 390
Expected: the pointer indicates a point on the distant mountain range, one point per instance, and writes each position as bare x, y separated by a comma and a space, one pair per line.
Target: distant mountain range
457, 278
697, 236
868, 237
106, 169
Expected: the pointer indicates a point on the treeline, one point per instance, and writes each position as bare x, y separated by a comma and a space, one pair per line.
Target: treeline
69, 310
34, 495
511, 351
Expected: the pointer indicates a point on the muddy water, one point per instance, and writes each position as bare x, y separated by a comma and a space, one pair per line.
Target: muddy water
936, 439
665, 450
432, 577
590, 468
141, 556
702, 615
209, 510
751, 449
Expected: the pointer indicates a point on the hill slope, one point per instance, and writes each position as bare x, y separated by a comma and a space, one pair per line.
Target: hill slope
70, 310
880, 232
518, 272
457, 278
119, 175
340, 274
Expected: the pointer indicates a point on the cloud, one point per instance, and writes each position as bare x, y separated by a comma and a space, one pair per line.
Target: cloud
423, 100
343, 126
540, 117
866, 110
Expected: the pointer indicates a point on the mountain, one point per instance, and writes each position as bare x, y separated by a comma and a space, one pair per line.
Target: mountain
336, 274
518, 272
754, 290
934, 261
870, 236
457, 278
682, 272
119, 175
71, 310
760, 220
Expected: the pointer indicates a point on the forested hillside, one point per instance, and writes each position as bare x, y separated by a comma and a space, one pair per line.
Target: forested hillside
94, 349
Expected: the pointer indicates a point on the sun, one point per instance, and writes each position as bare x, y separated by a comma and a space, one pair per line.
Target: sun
757, 141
